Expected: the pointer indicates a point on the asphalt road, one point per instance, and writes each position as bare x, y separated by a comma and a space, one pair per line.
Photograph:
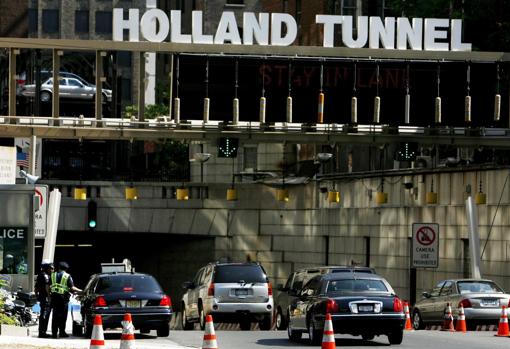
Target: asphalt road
278, 339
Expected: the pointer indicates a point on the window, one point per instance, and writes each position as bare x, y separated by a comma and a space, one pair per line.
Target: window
124, 58
447, 289
298, 12
32, 20
235, 2
14, 251
349, 8
250, 158
50, 21
435, 290
81, 21
103, 22
311, 288
75, 83
123, 283
236, 273
356, 285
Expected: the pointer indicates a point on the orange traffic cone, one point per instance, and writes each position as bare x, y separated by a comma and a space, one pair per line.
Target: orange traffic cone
127, 339
97, 338
461, 321
328, 338
408, 326
448, 319
503, 330
209, 334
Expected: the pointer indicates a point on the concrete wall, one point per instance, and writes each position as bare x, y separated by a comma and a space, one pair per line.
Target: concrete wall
295, 234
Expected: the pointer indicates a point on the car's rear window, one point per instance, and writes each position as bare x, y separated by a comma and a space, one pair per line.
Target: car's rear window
127, 283
356, 285
239, 273
365, 271
478, 287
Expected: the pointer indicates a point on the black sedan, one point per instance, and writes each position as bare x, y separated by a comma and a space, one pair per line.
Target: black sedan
111, 295
360, 305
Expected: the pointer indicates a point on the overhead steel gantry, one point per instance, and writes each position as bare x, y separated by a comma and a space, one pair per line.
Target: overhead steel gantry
57, 127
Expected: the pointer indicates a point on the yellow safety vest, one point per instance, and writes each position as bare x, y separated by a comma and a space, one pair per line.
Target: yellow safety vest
59, 287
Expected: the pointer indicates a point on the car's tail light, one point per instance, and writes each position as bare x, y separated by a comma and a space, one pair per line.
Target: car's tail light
331, 306
269, 289
210, 290
165, 301
127, 289
100, 302
466, 303
397, 305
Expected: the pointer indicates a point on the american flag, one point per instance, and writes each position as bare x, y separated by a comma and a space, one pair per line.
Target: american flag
22, 159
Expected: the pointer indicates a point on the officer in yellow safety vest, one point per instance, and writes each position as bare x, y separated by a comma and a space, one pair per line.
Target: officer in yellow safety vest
61, 286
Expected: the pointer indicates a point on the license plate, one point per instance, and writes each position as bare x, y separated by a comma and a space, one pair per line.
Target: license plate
132, 303
365, 308
490, 303
241, 292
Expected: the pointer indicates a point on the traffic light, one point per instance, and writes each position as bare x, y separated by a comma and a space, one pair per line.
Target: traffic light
227, 147
92, 215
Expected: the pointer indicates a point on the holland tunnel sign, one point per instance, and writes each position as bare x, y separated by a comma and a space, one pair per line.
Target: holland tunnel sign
281, 29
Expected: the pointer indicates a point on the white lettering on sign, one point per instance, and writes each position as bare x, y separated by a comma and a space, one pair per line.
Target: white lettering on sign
281, 29
12, 233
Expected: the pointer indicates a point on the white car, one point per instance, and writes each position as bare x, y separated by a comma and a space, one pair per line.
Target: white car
71, 88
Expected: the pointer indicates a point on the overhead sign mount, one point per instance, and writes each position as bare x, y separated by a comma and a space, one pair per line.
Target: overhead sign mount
425, 245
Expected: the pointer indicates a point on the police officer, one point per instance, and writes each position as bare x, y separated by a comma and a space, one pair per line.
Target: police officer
42, 288
61, 286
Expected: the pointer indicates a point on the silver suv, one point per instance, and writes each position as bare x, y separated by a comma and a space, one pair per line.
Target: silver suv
230, 292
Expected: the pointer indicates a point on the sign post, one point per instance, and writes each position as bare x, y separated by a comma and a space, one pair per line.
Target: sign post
41, 193
425, 245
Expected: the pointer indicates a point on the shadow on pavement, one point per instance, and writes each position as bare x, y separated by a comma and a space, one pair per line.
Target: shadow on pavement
342, 342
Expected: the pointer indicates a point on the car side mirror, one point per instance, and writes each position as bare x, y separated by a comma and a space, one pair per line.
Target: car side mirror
188, 285
426, 294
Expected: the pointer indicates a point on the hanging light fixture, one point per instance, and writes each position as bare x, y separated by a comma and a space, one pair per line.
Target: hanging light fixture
182, 194
232, 191
354, 99
177, 100
467, 100
480, 197
333, 195
80, 192
407, 106
380, 196
207, 101
497, 97
235, 103
377, 99
438, 98
130, 192
282, 194
431, 197
262, 106
320, 110
289, 97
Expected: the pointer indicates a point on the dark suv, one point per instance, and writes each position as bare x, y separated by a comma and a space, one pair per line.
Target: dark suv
230, 292
111, 295
295, 283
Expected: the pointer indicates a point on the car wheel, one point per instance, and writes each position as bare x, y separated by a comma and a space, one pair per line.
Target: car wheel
281, 322
245, 325
293, 334
314, 335
201, 316
367, 336
163, 331
186, 325
396, 336
417, 321
266, 323
45, 96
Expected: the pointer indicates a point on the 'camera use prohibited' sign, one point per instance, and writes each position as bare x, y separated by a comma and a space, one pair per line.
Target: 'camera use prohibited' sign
425, 245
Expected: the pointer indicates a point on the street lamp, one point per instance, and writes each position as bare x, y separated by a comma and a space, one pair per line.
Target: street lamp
202, 158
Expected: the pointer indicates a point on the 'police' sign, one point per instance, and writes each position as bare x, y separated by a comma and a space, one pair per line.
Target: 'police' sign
13, 233
425, 245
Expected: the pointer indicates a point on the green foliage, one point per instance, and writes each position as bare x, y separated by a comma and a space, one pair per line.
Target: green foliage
154, 110
172, 160
130, 111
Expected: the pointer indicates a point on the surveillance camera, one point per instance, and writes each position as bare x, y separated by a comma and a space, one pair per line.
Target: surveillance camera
408, 185
202, 157
31, 179
323, 157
